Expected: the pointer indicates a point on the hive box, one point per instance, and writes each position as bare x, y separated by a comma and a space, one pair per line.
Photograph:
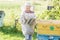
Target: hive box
48, 27
2, 14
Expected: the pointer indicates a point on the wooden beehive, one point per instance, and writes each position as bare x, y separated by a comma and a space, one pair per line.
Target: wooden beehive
48, 27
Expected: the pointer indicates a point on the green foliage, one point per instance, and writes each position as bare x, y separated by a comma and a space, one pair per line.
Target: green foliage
54, 13
11, 33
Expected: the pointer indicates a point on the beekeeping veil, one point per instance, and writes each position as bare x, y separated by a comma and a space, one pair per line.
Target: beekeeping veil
27, 4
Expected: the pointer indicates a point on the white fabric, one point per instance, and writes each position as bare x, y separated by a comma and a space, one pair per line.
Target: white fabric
25, 27
27, 4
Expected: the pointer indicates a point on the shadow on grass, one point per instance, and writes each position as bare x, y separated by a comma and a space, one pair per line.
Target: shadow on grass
14, 32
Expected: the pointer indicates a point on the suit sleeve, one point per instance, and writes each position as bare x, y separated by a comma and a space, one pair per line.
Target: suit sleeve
22, 20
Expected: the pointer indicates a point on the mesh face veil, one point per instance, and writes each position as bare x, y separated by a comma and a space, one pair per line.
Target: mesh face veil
23, 8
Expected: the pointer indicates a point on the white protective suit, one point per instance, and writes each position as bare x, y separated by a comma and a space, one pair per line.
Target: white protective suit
26, 28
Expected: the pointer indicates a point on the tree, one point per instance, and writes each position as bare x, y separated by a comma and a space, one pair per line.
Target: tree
54, 13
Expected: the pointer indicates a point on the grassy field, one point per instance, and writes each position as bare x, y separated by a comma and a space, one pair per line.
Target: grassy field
11, 34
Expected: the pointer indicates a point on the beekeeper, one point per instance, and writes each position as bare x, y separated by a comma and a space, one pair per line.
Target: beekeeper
28, 19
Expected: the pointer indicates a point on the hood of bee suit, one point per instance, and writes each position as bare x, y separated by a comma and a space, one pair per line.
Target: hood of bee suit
27, 4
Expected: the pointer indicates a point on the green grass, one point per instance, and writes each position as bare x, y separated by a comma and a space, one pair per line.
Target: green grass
11, 34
